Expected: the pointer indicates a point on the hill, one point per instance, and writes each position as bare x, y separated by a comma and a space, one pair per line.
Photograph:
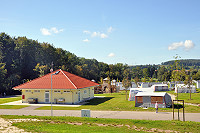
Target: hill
184, 62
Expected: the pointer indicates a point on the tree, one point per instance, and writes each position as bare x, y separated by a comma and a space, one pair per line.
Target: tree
3, 73
126, 81
176, 74
162, 73
41, 69
146, 73
136, 80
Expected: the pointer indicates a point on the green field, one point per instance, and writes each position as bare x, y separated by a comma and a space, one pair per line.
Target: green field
116, 102
77, 124
11, 99
195, 97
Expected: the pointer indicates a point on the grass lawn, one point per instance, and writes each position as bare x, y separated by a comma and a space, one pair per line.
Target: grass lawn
12, 106
195, 97
11, 99
116, 102
83, 125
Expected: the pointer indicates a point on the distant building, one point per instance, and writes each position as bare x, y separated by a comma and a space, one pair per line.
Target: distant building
182, 88
107, 87
121, 87
197, 83
134, 91
146, 99
144, 85
160, 87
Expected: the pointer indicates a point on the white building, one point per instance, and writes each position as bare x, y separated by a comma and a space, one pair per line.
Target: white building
182, 88
160, 87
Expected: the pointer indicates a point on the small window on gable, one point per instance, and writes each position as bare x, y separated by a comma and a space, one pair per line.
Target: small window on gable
85, 91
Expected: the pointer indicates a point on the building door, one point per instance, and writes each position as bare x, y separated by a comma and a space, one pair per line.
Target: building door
79, 96
146, 101
46, 96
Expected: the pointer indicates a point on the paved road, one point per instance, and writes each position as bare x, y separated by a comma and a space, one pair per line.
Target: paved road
102, 114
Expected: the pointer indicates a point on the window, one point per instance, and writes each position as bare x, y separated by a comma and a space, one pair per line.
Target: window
36, 90
85, 91
66, 91
159, 99
139, 99
57, 91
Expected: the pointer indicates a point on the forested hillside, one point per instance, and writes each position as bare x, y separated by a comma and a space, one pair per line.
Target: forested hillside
23, 59
195, 63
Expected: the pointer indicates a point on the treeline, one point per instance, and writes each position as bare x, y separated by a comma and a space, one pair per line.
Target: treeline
186, 63
23, 59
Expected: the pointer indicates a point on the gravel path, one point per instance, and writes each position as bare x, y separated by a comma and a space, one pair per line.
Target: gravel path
104, 114
6, 127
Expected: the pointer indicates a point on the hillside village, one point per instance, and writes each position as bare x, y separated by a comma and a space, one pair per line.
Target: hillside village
101, 66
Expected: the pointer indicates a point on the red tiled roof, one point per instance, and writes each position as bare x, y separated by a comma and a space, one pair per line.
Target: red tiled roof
63, 80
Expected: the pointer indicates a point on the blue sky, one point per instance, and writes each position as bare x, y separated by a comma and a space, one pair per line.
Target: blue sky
112, 31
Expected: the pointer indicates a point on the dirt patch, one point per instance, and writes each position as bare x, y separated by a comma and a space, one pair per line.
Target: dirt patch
6, 127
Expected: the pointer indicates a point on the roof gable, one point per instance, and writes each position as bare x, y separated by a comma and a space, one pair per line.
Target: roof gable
63, 80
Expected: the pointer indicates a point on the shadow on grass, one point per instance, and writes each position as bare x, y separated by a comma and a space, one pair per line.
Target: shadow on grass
177, 106
96, 101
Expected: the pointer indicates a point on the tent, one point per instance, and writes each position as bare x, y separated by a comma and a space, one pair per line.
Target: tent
146, 99
182, 88
134, 91
160, 87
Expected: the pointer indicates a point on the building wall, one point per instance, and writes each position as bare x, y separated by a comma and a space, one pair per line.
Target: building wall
146, 102
71, 96
161, 88
184, 89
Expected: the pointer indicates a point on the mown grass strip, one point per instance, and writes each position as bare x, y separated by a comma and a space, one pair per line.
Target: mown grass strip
61, 124
10, 99
12, 106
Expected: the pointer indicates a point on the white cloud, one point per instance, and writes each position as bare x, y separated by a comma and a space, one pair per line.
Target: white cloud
54, 30
50, 31
94, 34
175, 45
98, 34
45, 31
86, 40
188, 44
86, 32
102, 35
110, 29
111, 55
